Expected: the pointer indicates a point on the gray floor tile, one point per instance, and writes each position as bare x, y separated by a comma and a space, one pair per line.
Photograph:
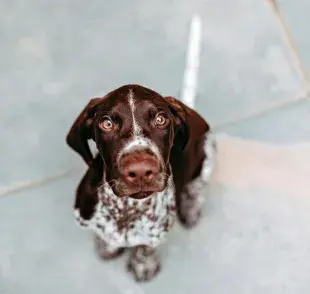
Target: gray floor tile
249, 241
245, 64
285, 125
296, 16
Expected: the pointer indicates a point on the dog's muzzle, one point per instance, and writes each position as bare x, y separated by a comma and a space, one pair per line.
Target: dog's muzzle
141, 173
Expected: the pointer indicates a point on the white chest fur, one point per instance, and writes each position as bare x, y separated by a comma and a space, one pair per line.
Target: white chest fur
127, 222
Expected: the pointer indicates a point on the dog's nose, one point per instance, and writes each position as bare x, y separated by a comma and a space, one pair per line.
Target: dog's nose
139, 169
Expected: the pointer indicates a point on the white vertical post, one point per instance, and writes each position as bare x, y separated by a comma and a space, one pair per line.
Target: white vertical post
189, 89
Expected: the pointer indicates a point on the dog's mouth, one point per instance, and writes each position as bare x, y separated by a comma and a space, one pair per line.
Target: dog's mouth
122, 190
141, 195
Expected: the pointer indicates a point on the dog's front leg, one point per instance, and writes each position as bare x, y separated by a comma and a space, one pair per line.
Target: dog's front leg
105, 251
144, 263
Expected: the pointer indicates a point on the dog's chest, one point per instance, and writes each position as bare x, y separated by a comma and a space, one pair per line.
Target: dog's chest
126, 222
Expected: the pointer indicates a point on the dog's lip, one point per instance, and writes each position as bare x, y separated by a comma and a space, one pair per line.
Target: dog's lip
147, 193
141, 195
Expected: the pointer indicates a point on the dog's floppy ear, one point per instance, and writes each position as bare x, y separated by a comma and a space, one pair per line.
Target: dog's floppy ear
190, 125
82, 130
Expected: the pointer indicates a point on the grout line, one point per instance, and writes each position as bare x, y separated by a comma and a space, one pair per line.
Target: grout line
301, 96
35, 183
290, 42
189, 89
297, 63
216, 127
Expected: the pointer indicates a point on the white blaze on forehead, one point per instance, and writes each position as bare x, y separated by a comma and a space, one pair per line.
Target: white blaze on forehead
136, 128
138, 141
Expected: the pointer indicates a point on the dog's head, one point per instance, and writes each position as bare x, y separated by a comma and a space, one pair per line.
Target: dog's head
135, 129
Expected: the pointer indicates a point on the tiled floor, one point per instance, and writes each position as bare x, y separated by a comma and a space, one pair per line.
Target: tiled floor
254, 235
285, 125
296, 17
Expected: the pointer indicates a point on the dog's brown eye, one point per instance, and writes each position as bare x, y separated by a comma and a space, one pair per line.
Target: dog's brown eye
160, 120
106, 124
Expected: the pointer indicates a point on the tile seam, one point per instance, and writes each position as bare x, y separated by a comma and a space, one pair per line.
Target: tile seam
289, 41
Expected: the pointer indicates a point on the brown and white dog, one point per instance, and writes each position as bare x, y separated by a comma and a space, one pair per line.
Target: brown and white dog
155, 154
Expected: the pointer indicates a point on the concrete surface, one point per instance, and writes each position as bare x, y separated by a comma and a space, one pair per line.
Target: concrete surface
54, 56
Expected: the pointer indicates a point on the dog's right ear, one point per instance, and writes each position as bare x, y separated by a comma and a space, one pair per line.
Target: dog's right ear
82, 130
190, 124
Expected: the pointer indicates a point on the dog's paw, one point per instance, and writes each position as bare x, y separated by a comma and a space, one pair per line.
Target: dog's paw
143, 264
190, 218
105, 252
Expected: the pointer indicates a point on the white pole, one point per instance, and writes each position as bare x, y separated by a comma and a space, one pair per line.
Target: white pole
189, 89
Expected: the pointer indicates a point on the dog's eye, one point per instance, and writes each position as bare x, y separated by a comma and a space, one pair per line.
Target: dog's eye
161, 120
106, 124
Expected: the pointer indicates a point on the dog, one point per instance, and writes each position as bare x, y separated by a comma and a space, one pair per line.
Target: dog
155, 154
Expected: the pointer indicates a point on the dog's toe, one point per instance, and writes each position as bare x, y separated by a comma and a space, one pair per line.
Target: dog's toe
144, 267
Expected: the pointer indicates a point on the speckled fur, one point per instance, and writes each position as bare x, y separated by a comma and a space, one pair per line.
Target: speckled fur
120, 223
192, 198
144, 263
127, 222
123, 222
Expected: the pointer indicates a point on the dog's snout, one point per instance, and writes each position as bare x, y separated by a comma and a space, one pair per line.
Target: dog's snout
141, 172
139, 168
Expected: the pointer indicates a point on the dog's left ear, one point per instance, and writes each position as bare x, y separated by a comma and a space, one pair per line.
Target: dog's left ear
190, 126
82, 130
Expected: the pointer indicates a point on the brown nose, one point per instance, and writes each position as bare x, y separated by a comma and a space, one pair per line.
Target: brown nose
138, 168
